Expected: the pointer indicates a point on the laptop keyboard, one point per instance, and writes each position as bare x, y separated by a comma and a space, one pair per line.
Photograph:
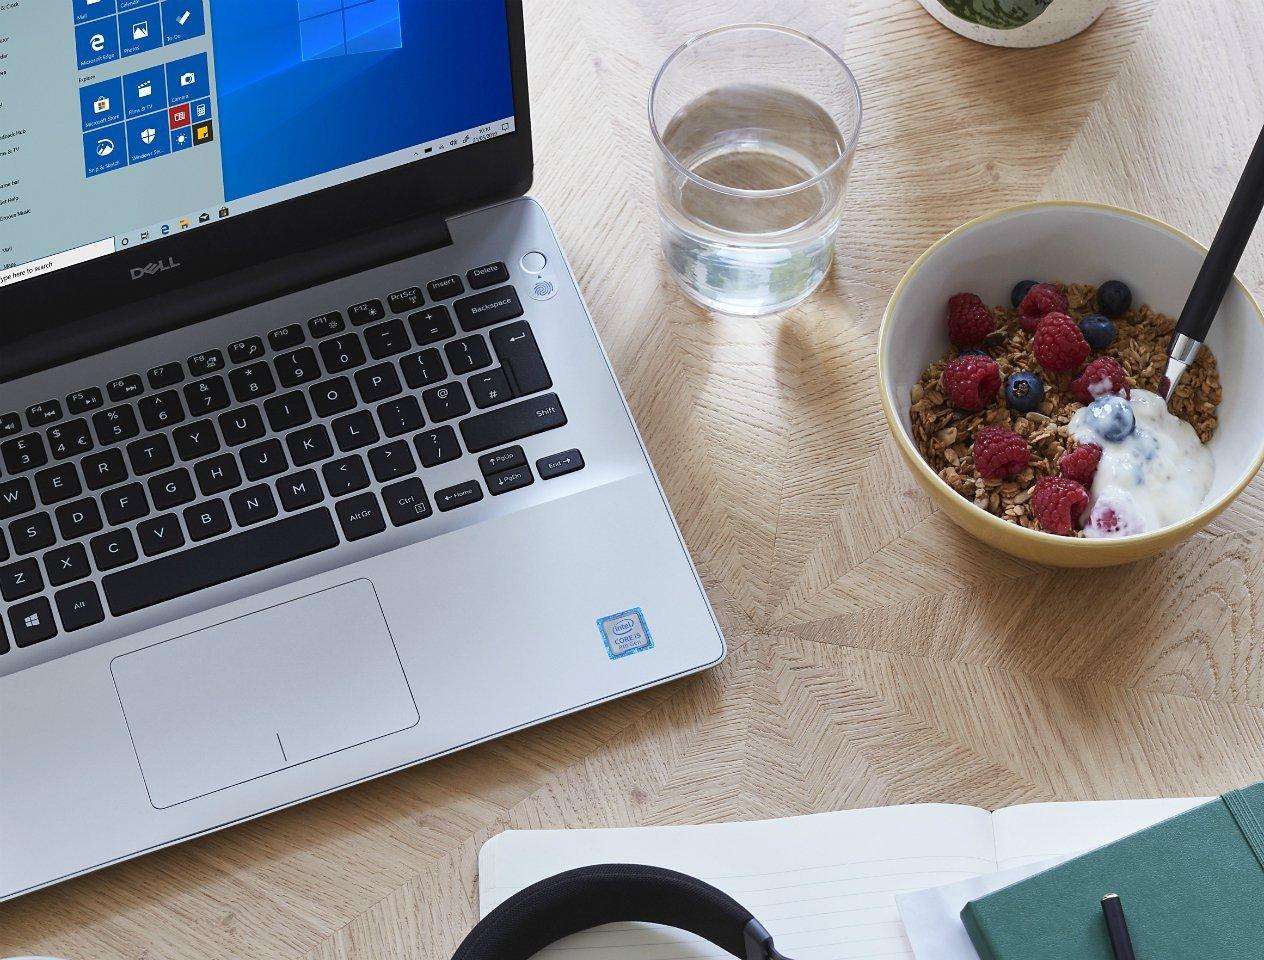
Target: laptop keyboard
263, 451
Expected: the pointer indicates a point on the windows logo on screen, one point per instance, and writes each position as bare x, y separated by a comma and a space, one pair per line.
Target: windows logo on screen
340, 28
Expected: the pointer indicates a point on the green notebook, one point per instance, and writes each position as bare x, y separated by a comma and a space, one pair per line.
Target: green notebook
1192, 888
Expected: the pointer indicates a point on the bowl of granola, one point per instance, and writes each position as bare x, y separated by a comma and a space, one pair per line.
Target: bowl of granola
1019, 360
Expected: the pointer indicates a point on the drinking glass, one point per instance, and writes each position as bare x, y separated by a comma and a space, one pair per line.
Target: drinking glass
756, 127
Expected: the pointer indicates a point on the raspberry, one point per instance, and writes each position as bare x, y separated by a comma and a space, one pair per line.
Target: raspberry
1041, 299
999, 453
969, 319
1081, 463
1058, 343
971, 381
1058, 503
1103, 376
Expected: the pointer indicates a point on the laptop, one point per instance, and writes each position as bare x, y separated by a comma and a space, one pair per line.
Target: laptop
312, 466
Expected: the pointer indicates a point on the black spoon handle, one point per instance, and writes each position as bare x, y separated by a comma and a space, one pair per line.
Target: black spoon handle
1226, 249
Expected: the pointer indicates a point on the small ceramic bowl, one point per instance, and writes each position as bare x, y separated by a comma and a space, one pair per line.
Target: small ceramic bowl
1073, 242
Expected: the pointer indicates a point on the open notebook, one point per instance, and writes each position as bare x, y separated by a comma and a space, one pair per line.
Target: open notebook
824, 885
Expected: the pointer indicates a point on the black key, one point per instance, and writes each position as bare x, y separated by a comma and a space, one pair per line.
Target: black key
387, 339
32, 622
78, 519
355, 430
520, 355
332, 396
400, 416
171, 489
58, 483
432, 325
392, 460
20, 579
67, 564
468, 353
10, 423
297, 367
113, 549
220, 561
445, 288
31, 533
300, 490
4, 638
69, 438
160, 534
360, 516
162, 409
253, 505
378, 382
150, 453
81, 401
367, 312
206, 396
509, 480
502, 460
252, 382
124, 388
437, 446
287, 411
24, 453
283, 338
208, 519
445, 402
326, 325
217, 474
165, 375
507, 424
40, 414
423, 368
115, 425
241, 425
243, 351
449, 498
15, 497
490, 388
342, 353
196, 440
125, 504
309, 445
79, 607
4, 548
206, 362
104, 469
262, 460
409, 299
345, 476
406, 501
487, 276
484, 309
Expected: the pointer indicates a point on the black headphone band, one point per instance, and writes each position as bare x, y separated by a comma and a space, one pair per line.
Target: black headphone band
565, 904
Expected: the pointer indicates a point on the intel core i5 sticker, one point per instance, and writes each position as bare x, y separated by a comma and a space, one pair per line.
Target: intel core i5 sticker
625, 633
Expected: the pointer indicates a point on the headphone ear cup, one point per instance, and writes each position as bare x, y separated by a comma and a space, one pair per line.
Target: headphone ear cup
588, 897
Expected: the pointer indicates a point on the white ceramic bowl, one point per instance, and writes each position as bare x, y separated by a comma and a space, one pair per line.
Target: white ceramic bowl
1074, 242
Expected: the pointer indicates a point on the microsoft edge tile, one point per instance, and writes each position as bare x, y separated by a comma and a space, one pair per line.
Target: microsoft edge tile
101, 104
104, 150
97, 42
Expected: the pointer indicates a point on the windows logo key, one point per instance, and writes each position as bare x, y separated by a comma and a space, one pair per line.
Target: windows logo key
340, 28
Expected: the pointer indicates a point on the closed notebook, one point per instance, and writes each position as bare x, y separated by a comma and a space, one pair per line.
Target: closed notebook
1192, 888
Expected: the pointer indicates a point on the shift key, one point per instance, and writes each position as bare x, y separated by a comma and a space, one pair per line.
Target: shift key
518, 420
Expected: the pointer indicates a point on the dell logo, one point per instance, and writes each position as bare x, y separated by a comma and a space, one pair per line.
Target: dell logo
158, 266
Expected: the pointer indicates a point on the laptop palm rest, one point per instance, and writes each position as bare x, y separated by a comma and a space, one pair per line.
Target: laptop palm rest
262, 692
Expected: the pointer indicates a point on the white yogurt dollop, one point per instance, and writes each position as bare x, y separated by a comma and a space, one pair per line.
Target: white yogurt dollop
1157, 475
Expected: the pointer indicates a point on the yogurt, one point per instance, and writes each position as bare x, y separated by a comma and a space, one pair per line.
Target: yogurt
1155, 475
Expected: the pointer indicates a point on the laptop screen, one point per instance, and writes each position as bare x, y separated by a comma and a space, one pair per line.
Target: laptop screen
126, 121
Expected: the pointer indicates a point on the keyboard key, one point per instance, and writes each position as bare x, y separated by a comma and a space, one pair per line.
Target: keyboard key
79, 607
4, 638
252, 382
487, 276
360, 516
507, 424
69, 439
4, 548
392, 460
206, 396
241, 426
332, 396
21, 579
287, 411
462, 494
32, 622
205, 520
386, 339
262, 460
283, 338
366, 312
103, 469
297, 367
243, 351
160, 534
149, 454
378, 382
171, 489
345, 476
253, 505
58, 483
445, 402
165, 375
113, 549
67, 564
490, 388
124, 388
520, 356
432, 325
403, 300
468, 353
437, 446
342, 353
445, 288
31, 533
115, 425
196, 440
300, 490
15, 497
326, 325
502, 460
125, 504
424, 368
509, 480
406, 501
309, 445
355, 430
10, 423
162, 409
217, 474
220, 561
484, 309
41, 414
78, 519
24, 453
206, 362
81, 401
400, 416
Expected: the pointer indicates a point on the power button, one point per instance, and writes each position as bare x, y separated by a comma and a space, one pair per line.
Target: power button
534, 262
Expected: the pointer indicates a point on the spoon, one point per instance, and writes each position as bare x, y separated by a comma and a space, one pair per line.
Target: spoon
1216, 272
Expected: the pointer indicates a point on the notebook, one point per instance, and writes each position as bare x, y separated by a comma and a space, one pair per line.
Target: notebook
824, 885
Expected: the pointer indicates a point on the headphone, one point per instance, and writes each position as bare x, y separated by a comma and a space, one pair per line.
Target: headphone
569, 902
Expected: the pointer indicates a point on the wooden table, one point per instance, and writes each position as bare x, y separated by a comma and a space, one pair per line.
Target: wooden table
877, 655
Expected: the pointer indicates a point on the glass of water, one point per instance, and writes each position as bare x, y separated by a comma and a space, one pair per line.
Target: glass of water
756, 127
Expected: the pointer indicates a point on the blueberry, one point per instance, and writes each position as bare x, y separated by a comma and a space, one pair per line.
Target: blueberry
972, 352
1099, 331
1111, 418
1114, 298
1020, 290
1024, 391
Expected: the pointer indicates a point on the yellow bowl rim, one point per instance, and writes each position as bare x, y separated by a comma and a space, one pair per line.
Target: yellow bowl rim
1169, 534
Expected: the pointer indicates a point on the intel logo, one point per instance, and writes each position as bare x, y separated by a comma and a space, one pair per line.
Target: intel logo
623, 627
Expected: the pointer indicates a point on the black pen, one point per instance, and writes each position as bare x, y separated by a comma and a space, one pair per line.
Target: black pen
1117, 927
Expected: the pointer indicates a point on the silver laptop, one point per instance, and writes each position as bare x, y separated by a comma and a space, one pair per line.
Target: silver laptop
311, 464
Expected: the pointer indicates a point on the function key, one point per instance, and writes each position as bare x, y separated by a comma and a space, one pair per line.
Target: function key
243, 350
326, 324
402, 300
81, 401
124, 388
445, 287
559, 464
491, 306
38, 414
10, 423
367, 312
207, 362
165, 375
487, 276
285, 337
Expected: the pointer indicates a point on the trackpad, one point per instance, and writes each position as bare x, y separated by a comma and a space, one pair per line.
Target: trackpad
266, 691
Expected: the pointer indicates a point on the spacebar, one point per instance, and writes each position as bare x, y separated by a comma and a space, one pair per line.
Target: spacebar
219, 561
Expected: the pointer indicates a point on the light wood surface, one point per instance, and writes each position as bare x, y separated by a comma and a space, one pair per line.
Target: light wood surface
877, 654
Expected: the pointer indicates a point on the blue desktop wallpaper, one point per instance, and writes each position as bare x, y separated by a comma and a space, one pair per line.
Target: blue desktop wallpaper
308, 86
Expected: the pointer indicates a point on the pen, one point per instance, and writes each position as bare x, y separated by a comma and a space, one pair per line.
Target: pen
1117, 927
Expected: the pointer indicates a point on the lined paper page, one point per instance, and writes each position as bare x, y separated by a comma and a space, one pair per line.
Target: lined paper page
823, 885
